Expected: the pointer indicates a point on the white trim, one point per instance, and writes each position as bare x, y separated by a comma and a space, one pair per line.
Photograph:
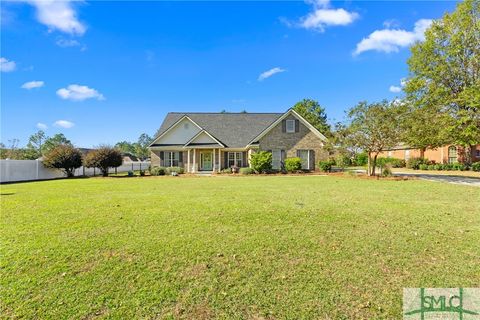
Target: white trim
276, 122
173, 126
188, 160
208, 134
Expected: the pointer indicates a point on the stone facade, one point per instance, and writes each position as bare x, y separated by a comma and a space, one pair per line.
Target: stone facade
304, 139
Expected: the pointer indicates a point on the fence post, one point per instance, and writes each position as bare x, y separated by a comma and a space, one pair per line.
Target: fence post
37, 167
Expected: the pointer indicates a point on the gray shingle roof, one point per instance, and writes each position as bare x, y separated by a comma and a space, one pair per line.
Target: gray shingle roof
234, 130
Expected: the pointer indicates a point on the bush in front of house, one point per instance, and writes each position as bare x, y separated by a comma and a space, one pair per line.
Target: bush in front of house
342, 161
414, 163
246, 171
387, 171
293, 164
393, 162
361, 159
157, 171
64, 157
226, 171
104, 157
177, 170
261, 161
476, 166
422, 166
326, 166
459, 166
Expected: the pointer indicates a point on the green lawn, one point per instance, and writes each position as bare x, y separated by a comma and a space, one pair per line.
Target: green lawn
232, 247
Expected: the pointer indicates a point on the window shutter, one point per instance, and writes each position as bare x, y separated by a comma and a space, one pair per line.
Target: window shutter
225, 159
180, 156
297, 125
312, 160
284, 125
298, 153
282, 155
162, 156
244, 160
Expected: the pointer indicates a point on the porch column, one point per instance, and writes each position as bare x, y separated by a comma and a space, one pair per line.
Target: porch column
214, 163
188, 160
194, 160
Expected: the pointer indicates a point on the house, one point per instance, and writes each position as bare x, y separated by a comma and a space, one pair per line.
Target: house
444, 154
215, 141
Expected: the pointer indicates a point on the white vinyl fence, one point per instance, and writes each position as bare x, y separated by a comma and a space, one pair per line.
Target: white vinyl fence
27, 170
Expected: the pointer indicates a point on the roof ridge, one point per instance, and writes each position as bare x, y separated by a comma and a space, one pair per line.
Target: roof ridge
186, 113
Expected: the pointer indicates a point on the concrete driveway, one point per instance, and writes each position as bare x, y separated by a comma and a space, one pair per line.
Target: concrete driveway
469, 181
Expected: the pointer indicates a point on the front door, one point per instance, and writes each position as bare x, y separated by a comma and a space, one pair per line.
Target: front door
206, 161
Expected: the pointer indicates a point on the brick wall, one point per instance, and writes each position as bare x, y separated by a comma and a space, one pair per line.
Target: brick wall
304, 139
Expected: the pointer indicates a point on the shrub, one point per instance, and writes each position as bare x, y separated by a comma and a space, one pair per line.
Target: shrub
246, 171
423, 166
438, 167
142, 173
326, 166
476, 166
458, 166
293, 164
431, 167
226, 171
157, 171
104, 157
342, 161
177, 170
261, 161
387, 171
361, 159
64, 157
414, 163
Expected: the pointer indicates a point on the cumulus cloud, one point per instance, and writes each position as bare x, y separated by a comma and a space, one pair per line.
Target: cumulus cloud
63, 124
42, 126
58, 15
395, 89
391, 40
77, 92
324, 16
7, 65
269, 73
65, 43
33, 84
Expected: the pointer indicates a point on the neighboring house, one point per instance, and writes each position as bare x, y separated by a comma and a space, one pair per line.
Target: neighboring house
444, 154
214, 141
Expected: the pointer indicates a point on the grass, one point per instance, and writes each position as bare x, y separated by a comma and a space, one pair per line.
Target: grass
232, 247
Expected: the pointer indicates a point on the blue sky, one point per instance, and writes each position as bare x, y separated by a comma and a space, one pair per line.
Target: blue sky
106, 71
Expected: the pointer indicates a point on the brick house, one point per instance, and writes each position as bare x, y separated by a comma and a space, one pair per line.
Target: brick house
214, 141
444, 154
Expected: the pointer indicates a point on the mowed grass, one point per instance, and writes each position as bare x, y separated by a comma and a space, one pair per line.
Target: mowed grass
232, 248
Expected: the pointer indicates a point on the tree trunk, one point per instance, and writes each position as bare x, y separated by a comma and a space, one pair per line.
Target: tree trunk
374, 164
104, 172
422, 152
369, 163
468, 154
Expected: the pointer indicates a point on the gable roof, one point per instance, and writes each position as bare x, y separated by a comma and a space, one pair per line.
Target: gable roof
234, 130
283, 116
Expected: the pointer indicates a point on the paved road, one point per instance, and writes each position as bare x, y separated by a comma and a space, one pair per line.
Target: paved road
469, 181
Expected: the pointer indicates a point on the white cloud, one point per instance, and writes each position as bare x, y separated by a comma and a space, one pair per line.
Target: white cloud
77, 92
323, 16
58, 14
269, 73
33, 84
391, 40
63, 124
65, 43
42, 126
403, 82
7, 65
395, 89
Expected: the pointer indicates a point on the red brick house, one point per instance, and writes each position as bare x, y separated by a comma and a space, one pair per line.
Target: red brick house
445, 154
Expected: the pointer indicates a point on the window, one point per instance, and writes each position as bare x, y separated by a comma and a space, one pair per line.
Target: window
452, 154
407, 154
305, 156
390, 153
290, 126
477, 154
277, 159
171, 158
235, 159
